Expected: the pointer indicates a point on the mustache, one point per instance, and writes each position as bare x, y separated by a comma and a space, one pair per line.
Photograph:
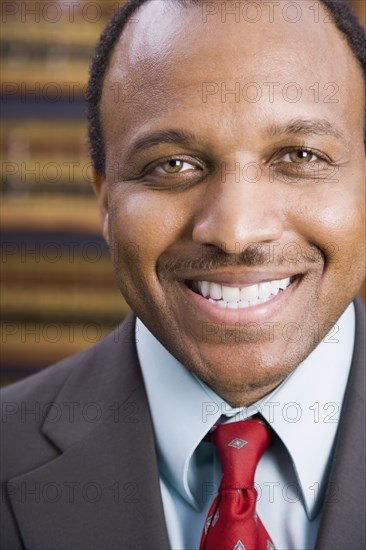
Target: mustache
214, 258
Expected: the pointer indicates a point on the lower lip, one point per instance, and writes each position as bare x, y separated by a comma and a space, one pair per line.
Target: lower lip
251, 314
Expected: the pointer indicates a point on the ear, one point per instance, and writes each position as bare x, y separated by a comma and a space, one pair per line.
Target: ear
101, 191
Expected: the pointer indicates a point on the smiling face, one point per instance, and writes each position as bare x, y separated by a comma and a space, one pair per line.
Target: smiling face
234, 193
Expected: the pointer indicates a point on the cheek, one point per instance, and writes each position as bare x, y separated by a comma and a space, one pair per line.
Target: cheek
332, 217
143, 224
333, 211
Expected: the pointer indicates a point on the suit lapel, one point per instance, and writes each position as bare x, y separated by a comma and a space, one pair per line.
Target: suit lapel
103, 490
343, 519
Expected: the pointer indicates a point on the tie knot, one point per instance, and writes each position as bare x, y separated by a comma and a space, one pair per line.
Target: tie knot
240, 445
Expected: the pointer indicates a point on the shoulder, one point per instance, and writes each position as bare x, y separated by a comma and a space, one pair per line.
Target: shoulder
360, 309
45, 384
359, 352
59, 394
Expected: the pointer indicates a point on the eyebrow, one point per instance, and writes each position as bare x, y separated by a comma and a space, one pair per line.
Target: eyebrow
318, 127
176, 137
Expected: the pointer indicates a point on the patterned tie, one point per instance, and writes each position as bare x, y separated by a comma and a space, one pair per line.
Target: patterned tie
232, 522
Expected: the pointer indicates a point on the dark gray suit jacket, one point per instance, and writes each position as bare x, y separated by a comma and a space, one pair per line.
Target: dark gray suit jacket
79, 468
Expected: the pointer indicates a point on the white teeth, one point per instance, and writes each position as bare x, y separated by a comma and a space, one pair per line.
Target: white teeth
204, 287
284, 283
249, 293
239, 298
264, 290
230, 294
215, 291
275, 287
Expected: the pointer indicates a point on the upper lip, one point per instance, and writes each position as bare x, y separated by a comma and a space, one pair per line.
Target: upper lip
240, 278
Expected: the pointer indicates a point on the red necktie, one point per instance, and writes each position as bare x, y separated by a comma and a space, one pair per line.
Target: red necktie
232, 522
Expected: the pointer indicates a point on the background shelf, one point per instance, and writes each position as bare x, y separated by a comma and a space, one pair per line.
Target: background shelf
58, 293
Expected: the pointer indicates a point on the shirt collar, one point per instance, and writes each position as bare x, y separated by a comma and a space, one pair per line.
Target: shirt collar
181, 409
184, 408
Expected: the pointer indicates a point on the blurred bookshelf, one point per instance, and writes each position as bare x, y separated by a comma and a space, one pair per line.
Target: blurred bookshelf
58, 293
359, 7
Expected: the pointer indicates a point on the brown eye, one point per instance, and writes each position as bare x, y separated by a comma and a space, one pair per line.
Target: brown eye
173, 166
299, 156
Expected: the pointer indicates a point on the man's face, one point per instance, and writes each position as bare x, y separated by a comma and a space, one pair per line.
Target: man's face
235, 160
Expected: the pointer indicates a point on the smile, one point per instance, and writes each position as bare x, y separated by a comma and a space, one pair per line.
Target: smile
239, 297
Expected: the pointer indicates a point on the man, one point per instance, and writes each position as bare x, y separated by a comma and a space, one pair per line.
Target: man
228, 142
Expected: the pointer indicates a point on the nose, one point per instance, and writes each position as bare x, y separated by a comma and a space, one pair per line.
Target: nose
238, 211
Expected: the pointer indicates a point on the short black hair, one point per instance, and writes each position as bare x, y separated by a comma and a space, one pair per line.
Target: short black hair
339, 10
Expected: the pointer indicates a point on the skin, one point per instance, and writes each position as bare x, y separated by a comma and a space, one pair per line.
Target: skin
200, 223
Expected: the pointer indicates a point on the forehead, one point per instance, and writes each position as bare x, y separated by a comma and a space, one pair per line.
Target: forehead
169, 55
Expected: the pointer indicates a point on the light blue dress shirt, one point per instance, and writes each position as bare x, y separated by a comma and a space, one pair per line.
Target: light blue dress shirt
291, 476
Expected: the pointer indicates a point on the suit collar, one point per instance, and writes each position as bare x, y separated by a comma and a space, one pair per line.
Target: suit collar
100, 492
101, 380
344, 503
